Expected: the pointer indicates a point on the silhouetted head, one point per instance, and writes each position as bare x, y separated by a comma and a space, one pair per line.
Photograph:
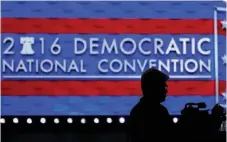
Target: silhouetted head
154, 86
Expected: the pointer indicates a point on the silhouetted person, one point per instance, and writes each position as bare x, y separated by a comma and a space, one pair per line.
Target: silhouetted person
218, 119
150, 121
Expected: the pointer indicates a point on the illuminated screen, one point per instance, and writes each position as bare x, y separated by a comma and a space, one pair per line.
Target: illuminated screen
86, 58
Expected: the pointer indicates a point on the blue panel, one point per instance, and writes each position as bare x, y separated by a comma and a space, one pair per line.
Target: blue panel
90, 62
69, 9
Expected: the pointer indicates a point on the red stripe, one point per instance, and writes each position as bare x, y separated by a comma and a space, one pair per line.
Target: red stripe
109, 26
103, 88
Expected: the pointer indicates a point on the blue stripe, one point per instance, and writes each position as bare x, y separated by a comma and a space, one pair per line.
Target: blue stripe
91, 62
89, 105
110, 9
221, 15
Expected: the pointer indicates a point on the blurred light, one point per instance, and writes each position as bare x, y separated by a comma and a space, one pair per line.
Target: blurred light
15, 120
43, 120
70, 120
83, 121
29, 120
56, 120
109, 120
2, 120
175, 120
122, 120
96, 120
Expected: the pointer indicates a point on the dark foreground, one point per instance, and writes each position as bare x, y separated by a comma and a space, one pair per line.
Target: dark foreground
76, 131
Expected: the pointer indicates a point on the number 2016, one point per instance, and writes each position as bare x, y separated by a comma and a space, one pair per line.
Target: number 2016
55, 48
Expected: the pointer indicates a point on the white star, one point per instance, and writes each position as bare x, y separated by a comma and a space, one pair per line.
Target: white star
224, 24
224, 58
224, 94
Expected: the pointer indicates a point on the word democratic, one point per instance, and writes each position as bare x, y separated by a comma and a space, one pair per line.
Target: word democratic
127, 55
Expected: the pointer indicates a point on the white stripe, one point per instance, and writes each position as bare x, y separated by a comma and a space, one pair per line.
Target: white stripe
110, 0
222, 9
216, 56
101, 77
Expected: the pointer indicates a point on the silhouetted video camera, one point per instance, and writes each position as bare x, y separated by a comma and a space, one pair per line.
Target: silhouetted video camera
195, 109
194, 117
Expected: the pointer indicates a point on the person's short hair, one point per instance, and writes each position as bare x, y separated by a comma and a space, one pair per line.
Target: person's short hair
154, 75
152, 78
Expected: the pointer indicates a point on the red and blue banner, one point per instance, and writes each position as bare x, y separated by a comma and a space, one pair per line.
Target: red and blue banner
86, 58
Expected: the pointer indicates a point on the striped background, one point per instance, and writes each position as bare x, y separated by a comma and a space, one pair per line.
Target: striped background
110, 20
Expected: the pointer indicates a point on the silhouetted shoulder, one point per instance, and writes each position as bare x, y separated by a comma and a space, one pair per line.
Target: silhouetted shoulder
164, 110
136, 111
